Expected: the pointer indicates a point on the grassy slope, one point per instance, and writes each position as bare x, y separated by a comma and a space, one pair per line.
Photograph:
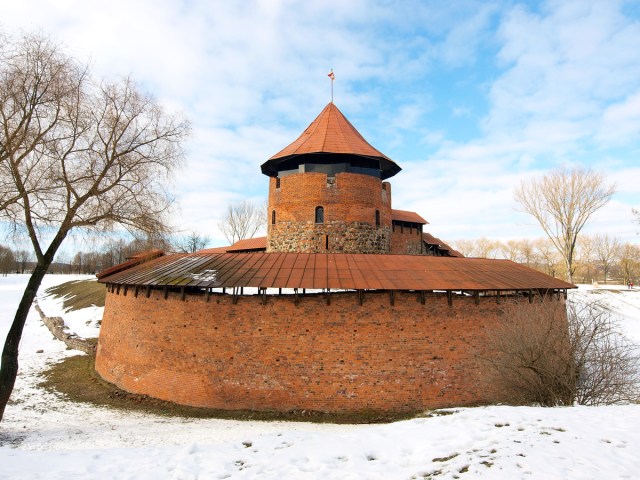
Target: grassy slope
79, 294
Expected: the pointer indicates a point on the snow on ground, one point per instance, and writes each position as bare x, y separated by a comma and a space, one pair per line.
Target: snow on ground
44, 436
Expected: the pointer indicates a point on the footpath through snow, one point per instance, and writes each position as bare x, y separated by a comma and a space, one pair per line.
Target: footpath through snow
45, 436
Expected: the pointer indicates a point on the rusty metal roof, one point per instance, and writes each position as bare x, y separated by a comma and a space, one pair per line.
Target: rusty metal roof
131, 261
333, 271
407, 216
246, 245
331, 132
256, 243
431, 240
215, 249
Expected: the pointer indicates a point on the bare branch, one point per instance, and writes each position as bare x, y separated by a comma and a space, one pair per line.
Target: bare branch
76, 154
242, 220
562, 202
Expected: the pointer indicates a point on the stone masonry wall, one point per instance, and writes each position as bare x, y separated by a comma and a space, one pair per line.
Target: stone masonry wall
350, 202
281, 356
334, 237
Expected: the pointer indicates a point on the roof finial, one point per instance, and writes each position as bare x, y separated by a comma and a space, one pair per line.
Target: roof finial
332, 77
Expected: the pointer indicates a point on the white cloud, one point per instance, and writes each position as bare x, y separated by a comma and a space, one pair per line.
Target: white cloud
562, 69
252, 75
621, 121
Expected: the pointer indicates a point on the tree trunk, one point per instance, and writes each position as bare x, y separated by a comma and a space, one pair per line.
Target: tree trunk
9, 366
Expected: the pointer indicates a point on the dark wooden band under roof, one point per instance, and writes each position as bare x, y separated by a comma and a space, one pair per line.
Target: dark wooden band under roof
332, 271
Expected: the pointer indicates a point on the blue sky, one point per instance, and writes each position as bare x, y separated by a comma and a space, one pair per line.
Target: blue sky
468, 97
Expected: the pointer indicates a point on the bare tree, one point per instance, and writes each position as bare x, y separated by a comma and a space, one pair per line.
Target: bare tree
562, 202
242, 220
511, 250
23, 257
548, 256
606, 249
487, 248
541, 355
606, 362
528, 255
586, 258
192, 242
629, 262
75, 155
531, 353
466, 247
7, 260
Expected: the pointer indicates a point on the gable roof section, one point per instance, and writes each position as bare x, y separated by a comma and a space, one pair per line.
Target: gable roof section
407, 216
246, 245
215, 249
431, 240
333, 271
255, 243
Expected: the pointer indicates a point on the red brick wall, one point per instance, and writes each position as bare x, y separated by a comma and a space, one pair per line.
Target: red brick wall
350, 205
314, 356
406, 241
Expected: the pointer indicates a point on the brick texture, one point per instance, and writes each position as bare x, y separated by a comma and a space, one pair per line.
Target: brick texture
281, 356
406, 241
350, 203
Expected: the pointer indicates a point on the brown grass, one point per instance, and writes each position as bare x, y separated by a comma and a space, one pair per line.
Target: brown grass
76, 379
79, 294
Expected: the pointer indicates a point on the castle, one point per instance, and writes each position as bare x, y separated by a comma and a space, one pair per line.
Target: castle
347, 305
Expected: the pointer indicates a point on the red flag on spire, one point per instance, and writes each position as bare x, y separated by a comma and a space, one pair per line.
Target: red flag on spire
331, 75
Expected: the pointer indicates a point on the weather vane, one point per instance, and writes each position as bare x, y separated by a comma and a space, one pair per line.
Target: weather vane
332, 77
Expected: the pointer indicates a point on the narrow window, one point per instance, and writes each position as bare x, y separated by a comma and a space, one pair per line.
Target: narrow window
377, 218
326, 242
273, 217
277, 182
319, 214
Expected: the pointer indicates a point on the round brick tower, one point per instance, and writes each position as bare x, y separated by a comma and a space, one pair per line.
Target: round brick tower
327, 191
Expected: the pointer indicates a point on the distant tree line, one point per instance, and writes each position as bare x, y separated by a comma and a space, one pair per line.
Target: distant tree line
598, 258
108, 254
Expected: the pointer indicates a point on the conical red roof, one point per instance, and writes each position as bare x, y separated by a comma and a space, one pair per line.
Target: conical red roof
331, 133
